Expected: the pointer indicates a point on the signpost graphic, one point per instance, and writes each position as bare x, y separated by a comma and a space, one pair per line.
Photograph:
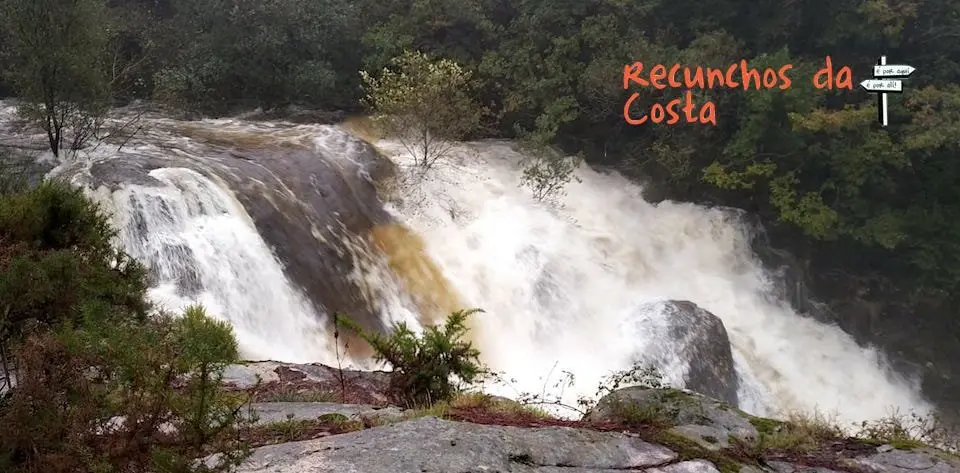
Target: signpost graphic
886, 80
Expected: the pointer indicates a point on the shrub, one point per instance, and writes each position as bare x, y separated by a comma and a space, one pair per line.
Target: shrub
101, 383
546, 173
426, 367
906, 431
56, 256
127, 396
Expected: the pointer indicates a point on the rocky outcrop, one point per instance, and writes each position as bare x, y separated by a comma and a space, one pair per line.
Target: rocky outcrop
633, 429
432, 445
697, 337
707, 421
440, 446
279, 382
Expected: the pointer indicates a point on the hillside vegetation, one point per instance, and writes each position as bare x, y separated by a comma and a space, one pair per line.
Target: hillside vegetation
871, 212
814, 163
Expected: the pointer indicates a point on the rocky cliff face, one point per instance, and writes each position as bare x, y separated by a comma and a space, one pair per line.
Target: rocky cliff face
303, 423
917, 335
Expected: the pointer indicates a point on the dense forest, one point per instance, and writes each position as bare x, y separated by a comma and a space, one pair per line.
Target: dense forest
871, 211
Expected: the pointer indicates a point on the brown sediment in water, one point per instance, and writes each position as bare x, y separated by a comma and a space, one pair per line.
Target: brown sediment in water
406, 255
362, 127
431, 291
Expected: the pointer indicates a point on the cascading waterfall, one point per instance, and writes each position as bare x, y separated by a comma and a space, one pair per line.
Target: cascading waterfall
572, 287
202, 248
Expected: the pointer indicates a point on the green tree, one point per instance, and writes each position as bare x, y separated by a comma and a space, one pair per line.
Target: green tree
545, 170
251, 53
58, 68
123, 395
56, 257
457, 30
426, 104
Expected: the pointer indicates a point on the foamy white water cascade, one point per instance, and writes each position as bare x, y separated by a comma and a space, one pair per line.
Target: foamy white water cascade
192, 228
572, 287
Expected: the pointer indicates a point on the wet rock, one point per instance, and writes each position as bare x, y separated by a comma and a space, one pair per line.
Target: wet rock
915, 333
315, 209
790, 276
19, 166
125, 168
179, 264
699, 339
439, 446
289, 381
904, 461
693, 415
784, 467
271, 412
298, 114
706, 344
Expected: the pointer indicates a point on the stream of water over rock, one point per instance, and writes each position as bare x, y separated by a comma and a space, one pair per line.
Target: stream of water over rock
275, 226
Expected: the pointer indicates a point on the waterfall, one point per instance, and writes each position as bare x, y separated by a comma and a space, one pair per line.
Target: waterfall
274, 226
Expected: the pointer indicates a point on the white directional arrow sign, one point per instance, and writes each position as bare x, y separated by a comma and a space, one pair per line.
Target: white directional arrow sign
893, 70
882, 85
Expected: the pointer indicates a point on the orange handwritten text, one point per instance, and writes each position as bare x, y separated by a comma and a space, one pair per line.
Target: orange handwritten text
678, 76
824, 79
706, 77
734, 76
706, 114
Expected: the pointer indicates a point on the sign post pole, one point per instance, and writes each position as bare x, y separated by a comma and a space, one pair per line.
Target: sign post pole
885, 82
883, 98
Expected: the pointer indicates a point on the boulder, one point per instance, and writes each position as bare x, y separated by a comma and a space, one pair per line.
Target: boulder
695, 337
707, 421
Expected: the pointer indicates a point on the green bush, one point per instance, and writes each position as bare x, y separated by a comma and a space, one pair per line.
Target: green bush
55, 216
102, 383
56, 258
127, 396
427, 367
